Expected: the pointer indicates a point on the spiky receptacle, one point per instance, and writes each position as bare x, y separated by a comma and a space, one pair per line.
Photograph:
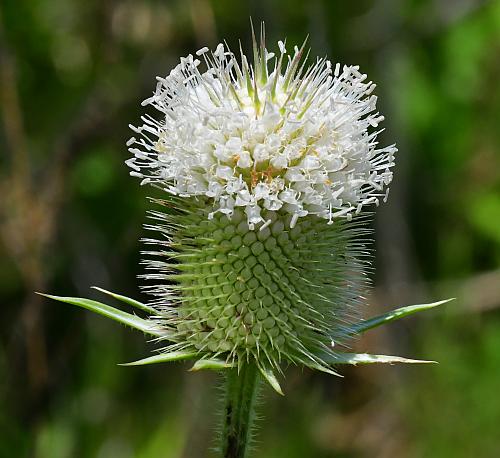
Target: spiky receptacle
269, 294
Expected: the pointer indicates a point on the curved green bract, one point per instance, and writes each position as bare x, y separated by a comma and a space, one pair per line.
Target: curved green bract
397, 314
215, 364
366, 358
127, 300
115, 314
270, 377
163, 358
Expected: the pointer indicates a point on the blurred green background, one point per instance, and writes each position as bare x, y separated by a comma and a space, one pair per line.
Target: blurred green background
72, 75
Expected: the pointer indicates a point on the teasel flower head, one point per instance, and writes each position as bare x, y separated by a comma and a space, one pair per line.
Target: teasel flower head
260, 256
269, 165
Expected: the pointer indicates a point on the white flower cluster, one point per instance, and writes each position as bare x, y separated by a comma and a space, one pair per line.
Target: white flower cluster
272, 135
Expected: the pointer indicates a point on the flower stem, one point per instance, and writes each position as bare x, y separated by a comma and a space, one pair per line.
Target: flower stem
239, 411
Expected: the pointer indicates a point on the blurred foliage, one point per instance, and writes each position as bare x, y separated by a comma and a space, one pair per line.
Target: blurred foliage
72, 75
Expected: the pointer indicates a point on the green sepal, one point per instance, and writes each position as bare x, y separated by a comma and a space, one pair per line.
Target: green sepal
110, 312
163, 358
392, 316
212, 364
366, 358
127, 300
268, 374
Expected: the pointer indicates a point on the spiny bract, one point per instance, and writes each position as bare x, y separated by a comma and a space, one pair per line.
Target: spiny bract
264, 168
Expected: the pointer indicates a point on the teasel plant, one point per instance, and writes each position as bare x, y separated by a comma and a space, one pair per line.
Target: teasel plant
269, 169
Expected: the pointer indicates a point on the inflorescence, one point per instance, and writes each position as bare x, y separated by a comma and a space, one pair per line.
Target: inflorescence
265, 166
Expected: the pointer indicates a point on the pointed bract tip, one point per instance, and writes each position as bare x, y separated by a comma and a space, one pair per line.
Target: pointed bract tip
212, 364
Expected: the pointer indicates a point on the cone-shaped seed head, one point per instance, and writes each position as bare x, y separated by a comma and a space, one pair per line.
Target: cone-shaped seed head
273, 294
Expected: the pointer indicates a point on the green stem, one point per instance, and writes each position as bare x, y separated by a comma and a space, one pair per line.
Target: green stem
239, 411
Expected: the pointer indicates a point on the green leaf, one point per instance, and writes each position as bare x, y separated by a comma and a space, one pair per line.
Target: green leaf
393, 315
110, 312
128, 300
163, 358
365, 358
213, 364
268, 374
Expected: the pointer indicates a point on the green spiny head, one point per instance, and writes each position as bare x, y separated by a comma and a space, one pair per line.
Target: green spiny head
268, 295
